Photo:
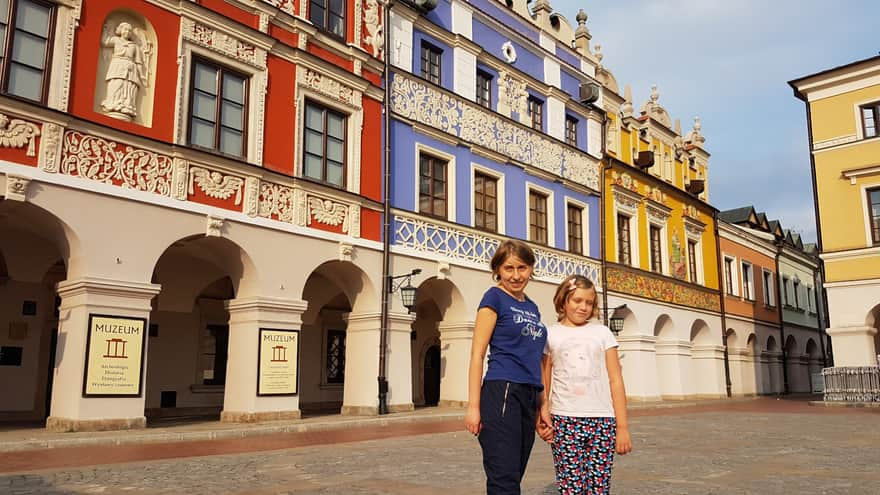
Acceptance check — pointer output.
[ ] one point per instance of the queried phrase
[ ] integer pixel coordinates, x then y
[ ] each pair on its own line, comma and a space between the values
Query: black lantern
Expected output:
407, 292
615, 323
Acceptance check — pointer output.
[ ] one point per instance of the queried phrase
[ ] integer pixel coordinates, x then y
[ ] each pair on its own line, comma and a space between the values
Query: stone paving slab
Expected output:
766, 448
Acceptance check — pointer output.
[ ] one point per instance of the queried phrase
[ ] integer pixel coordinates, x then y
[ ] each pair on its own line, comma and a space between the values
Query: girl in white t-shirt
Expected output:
584, 391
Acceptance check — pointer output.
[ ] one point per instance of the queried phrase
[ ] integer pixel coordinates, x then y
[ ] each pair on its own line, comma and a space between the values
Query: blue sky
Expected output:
729, 62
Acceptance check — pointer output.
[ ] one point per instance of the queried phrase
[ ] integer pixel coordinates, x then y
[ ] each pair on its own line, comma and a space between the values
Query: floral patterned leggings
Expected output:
583, 451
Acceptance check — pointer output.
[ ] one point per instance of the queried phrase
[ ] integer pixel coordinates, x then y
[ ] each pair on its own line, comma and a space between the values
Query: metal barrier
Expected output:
852, 383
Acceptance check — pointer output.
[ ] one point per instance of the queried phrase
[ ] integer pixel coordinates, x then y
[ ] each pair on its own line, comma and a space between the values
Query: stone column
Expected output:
736, 357
455, 358
361, 389
772, 363
398, 359
673, 363
70, 410
247, 316
708, 371
638, 360
853, 346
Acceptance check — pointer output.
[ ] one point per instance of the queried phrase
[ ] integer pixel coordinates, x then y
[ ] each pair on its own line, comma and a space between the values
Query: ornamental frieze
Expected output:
283, 5
661, 289
276, 202
215, 184
98, 159
17, 133
416, 101
625, 181
326, 86
50, 147
222, 43
375, 38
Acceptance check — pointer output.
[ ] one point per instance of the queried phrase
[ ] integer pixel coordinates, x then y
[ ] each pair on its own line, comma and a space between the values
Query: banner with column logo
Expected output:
114, 356
279, 362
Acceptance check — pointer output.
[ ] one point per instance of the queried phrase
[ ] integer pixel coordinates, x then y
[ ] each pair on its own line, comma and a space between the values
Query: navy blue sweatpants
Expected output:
507, 411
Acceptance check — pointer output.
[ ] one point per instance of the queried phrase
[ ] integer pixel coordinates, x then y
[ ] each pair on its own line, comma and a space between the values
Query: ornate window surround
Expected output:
332, 94
500, 213
255, 69
67, 15
866, 212
658, 216
694, 232
585, 223
450, 179
627, 203
551, 212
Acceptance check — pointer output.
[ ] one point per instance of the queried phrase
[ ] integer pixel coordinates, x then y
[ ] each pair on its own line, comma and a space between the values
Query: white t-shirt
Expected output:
579, 385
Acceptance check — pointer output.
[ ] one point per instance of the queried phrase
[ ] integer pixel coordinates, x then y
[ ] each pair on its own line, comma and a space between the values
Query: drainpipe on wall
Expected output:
386, 213
603, 252
779, 304
718, 261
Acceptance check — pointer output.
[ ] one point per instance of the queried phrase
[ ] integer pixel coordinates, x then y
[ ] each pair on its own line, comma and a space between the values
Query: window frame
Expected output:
535, 108
326, 110
533, 192
575, 230
624, 239
656, 247
6, 62
433, 51
692, 260
874, 108
768, 282
325, 23
432, 159
195, 60
571, 131
748, 280
874, 231
483, 95
329, 333
494, 179
730, 275
795, 288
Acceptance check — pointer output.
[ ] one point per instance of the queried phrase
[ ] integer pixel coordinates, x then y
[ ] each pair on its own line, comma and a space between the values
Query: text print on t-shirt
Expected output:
532, 326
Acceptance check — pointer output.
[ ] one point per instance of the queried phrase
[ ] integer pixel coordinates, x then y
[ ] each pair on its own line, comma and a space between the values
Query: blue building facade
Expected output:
489, 140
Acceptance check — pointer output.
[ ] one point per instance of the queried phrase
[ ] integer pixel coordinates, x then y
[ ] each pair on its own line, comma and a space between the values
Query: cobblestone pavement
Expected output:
764, 448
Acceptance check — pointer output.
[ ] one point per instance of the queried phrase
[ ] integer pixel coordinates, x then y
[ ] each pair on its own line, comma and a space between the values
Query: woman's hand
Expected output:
472, 421
544, 425
624, 442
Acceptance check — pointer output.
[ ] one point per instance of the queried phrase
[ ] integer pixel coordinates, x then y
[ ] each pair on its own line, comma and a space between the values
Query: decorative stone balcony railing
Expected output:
415, 100
661, 288
434, 239
852, 384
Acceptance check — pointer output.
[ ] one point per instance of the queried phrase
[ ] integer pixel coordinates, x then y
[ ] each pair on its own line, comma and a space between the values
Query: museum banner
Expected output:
278, 361
114, 356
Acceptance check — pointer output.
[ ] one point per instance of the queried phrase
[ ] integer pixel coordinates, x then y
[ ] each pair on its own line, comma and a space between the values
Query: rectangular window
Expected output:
623, 245
874, 213
218, 108
25, 44
571, 131
432, 186
324, 149
537, 217
870, 118
748, 281
656, 253
810, 306
786, 300
215, 350
692, 261
485, 202
536, 113
728, 276
431, 62
484, 89
768, 288
328, 15
575, 229
335, 356
796, 289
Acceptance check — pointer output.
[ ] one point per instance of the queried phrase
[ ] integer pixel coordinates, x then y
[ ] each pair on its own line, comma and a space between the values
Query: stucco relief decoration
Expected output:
17, 133
179, 179
50, 147
694, 229
512, 94
508, 51
283, 5
98, 159
251, 196
327, 86
625, 181
626, 201
657, 194
328, 212
276, 201
214, 226
214, 184
127, 52
375, 38
690, 211
222, 43
16, 187
414, 100
657, 214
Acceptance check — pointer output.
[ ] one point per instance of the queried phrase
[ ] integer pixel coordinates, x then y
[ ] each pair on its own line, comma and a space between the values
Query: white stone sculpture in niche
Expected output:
126, 69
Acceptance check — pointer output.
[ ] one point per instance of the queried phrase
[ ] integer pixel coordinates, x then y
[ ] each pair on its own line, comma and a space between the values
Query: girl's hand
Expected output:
624, 442
544, 424
472, 421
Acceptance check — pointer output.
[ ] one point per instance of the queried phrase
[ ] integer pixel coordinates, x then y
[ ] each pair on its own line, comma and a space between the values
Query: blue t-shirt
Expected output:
517, 343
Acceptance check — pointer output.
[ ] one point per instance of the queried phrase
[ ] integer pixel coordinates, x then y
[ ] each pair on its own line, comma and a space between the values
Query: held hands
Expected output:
544, 425
624, 442
472, 421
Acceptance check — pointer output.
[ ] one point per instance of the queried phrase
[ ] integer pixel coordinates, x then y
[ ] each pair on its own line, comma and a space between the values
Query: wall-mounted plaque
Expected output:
278, 361
114, 356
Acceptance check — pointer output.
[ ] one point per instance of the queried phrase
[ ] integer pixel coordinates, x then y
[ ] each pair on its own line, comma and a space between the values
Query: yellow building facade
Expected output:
843, 114
661, 251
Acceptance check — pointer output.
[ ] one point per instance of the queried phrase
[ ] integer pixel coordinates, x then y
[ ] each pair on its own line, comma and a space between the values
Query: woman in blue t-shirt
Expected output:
503, 411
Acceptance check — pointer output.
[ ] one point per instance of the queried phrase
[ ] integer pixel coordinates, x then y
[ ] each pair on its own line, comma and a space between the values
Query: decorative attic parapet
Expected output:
652, 108
694, 137
582, 34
